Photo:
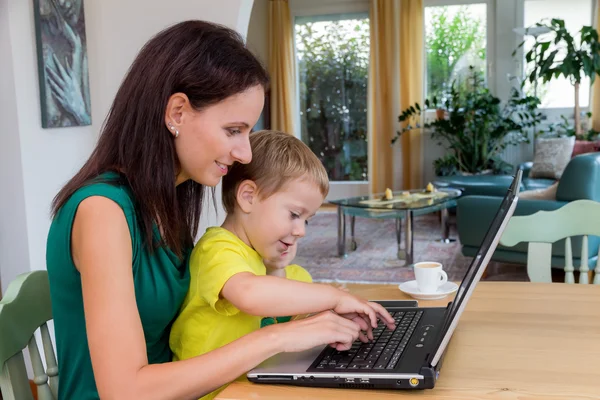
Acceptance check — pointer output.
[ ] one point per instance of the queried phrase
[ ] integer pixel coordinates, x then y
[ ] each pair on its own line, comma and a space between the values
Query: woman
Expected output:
124, 225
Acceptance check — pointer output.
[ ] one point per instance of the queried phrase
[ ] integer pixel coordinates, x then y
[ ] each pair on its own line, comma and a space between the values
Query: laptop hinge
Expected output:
440, 335
429, 375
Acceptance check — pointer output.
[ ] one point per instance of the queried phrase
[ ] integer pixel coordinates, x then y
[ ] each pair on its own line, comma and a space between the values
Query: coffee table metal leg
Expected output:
445, 226
408, 237
353, 244
400, 253
341, 232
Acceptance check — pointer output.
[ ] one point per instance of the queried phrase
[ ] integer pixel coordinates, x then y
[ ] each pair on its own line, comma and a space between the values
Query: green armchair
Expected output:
492, 185
580, 180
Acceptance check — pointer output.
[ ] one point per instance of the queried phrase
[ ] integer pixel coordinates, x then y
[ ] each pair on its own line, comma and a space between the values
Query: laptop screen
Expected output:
475, 270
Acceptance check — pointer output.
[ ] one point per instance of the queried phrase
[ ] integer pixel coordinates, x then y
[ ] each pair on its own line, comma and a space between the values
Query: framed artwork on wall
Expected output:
62, 63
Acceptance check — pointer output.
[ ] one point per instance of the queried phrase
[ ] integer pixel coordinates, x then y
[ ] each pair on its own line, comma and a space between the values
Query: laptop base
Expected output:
426, 380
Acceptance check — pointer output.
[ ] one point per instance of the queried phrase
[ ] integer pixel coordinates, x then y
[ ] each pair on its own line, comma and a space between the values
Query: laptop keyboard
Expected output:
382, 353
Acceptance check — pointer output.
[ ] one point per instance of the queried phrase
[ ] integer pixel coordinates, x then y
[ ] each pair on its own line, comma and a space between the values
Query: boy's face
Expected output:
277, 222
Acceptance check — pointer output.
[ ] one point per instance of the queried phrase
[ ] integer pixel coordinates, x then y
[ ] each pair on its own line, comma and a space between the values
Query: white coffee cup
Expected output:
430, 276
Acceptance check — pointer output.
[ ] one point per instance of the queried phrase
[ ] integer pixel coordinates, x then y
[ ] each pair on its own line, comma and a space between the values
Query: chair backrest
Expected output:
24, 308
542, 229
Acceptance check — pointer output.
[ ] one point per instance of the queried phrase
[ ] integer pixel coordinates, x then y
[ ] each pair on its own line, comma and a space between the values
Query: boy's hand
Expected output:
349, 305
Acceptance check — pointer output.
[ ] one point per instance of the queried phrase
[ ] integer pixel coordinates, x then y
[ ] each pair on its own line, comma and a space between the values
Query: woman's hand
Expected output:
323, 328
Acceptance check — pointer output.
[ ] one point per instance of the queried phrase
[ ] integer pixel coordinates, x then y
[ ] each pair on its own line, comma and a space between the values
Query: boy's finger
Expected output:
383, 313
370, 313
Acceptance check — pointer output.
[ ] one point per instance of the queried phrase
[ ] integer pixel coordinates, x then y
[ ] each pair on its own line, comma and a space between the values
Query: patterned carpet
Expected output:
375, 259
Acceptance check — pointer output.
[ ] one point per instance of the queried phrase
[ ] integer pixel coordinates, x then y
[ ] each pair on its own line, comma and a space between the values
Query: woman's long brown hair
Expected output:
208, 63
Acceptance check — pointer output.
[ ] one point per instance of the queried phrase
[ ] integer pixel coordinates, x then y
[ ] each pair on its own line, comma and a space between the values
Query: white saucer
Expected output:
411, 288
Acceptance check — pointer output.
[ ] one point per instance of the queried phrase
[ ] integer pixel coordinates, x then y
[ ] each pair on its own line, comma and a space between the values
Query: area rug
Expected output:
375, 260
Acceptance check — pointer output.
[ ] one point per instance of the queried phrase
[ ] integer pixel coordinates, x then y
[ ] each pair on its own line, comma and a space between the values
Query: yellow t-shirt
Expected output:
207, 321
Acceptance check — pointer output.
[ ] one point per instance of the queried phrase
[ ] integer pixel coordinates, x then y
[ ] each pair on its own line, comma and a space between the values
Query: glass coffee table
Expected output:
403, 205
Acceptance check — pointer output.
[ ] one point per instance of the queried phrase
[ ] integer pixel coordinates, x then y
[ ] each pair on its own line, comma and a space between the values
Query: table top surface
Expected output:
515, 340
401, 200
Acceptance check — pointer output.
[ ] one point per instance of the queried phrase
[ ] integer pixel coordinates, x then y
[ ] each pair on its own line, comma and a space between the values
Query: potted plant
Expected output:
477, 127
438, 105
558, 53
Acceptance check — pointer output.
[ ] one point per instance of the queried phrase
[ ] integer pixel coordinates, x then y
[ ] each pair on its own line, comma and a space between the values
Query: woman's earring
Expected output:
171, 127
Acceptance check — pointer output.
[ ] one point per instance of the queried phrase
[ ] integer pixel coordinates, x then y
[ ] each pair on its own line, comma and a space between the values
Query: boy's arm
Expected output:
272, 296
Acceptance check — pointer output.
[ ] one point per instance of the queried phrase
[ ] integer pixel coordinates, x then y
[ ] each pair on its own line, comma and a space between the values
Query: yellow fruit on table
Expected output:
430, 187
388, 194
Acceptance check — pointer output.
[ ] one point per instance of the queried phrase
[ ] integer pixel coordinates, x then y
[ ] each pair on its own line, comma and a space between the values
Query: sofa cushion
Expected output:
547, 193
551, 157
585, 146
537, 183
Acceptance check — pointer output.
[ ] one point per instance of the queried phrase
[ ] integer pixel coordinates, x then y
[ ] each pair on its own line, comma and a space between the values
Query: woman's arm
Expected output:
101, 250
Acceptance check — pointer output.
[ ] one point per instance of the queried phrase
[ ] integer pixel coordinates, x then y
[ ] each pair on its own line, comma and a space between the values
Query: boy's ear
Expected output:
247, 194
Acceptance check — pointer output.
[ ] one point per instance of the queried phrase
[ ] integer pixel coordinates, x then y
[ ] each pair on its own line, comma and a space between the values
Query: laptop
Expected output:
411, 356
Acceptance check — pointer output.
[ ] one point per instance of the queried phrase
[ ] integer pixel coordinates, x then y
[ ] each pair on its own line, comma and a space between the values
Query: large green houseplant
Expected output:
558, 53
477, 127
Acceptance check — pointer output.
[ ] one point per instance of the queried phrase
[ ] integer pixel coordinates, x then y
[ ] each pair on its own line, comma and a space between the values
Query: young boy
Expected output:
238, 270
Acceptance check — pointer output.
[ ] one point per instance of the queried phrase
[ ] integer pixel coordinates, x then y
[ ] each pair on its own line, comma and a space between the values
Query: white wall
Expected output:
258, 42
36, 162
13, 229
258, 30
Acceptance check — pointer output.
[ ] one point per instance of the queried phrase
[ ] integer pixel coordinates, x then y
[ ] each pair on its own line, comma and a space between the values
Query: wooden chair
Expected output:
25, 308
542, 229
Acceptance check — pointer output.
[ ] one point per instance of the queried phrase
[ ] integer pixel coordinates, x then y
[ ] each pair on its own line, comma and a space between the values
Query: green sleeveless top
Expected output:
161, 281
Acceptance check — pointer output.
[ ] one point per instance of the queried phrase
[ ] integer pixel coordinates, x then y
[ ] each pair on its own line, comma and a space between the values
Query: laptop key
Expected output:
384, 360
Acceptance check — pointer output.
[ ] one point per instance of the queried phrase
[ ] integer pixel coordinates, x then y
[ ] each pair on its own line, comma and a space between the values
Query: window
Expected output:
333, 58
559, 92
455, 39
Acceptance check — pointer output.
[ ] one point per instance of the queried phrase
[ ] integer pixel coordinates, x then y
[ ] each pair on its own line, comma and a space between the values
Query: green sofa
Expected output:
480, 202
491, 185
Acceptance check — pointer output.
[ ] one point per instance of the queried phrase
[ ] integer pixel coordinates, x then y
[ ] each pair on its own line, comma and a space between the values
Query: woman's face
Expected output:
211, 140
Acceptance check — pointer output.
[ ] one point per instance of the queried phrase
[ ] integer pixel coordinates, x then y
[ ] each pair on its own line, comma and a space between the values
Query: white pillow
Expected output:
551, 157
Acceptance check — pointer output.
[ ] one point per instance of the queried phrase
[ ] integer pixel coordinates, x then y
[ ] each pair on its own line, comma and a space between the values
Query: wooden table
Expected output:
521, 341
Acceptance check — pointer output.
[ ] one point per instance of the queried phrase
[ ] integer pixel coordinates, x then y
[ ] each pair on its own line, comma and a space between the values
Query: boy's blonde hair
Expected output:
277, 158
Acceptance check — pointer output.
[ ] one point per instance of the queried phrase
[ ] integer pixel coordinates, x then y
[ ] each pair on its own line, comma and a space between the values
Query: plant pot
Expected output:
484, 172
440, 113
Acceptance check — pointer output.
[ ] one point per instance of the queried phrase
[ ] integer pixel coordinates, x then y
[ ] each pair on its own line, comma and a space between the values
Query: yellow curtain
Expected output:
411, 87
595, 100
395, 82
381, 88
281, 66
